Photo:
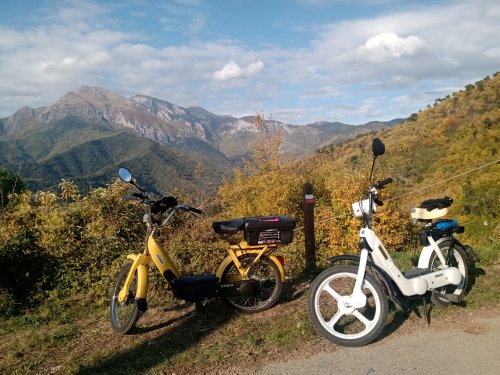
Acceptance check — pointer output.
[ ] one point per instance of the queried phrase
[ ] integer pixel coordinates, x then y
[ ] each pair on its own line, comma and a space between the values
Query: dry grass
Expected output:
172, 338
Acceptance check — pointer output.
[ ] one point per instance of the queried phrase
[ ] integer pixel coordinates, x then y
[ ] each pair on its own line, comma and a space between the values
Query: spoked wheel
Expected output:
332, 315
458, 260
265, 274
124, 314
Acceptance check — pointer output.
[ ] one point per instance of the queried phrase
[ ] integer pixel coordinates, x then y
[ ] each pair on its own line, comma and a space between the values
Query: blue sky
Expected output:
297, 61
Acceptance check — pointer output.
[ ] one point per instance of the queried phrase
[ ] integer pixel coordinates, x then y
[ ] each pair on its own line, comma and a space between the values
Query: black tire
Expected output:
460, 261
266, 272
352, 327
124, 314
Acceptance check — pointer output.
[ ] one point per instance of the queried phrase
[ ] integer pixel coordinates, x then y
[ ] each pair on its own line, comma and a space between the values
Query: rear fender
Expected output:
228, 260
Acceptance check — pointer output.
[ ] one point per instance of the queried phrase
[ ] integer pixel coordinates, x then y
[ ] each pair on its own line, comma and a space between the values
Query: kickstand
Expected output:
412, 308
201, 310
427, 313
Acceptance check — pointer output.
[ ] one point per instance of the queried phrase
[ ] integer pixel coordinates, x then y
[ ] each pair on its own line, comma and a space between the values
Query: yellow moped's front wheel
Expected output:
124, 314
265, 273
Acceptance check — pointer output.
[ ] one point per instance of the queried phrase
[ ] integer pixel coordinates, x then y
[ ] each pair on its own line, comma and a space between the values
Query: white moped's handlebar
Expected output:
362, 209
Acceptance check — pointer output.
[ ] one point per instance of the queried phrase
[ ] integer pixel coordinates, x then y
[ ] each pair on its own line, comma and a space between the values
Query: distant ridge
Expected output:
52, 142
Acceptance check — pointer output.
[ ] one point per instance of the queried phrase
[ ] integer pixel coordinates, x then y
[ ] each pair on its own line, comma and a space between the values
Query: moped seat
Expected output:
228, 227
423, 214
431, 209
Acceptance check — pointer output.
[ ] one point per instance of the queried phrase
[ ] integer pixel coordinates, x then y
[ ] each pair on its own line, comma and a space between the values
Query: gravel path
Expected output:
467, 344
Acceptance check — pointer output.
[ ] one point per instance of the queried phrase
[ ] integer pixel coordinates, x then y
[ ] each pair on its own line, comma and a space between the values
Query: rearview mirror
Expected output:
125, 174
378, 147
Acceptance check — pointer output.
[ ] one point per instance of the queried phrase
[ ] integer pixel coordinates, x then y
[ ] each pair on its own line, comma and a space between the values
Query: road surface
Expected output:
467, 344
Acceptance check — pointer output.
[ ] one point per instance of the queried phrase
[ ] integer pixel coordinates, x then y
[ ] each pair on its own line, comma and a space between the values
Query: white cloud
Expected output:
389, 45
232, 70
493, 52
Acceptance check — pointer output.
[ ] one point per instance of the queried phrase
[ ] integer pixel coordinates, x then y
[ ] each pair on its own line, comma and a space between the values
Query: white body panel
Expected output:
416, 285
444, 277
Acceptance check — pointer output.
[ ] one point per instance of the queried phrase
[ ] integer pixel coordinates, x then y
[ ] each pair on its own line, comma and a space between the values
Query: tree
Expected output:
413, 117
69, 190
9, 183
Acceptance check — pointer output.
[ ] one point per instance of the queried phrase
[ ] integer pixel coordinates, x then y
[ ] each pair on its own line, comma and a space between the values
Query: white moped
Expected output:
348, 303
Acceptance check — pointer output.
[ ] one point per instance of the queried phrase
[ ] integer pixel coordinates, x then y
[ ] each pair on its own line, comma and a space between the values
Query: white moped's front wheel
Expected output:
332, 314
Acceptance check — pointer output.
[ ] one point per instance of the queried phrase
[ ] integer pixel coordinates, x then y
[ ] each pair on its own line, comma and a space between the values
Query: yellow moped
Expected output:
250, 278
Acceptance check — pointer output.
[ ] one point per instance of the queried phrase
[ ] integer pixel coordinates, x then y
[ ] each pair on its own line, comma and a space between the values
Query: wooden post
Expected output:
310, 242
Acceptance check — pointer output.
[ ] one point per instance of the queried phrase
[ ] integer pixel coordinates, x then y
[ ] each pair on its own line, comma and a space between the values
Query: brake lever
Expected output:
191, 210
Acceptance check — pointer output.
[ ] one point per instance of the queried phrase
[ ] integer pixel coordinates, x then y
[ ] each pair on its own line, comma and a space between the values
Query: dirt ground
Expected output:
458, 344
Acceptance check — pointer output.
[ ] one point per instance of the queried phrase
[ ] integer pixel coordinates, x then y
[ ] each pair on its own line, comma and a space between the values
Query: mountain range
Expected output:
87, 134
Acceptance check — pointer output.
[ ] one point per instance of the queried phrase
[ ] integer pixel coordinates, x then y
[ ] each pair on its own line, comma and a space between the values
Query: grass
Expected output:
172, 338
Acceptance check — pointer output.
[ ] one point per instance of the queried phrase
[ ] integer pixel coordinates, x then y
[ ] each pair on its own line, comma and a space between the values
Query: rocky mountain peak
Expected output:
177, 126
23, 118
161, 108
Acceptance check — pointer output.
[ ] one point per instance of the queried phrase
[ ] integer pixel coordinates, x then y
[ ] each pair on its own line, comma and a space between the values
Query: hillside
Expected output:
90, 155
432, 152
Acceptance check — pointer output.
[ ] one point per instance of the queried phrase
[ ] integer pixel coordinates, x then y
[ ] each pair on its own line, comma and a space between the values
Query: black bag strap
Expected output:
431, 204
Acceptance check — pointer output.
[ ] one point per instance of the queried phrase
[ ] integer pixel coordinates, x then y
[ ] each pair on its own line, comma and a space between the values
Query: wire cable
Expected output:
412, 192
440, 182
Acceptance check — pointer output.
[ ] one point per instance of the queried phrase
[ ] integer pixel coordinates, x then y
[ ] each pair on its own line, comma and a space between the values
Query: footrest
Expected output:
198, 279
452, 297
416, 272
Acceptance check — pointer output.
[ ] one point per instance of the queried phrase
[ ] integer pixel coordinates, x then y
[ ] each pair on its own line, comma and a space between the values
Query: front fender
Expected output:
227, 261
140, 264
340, 258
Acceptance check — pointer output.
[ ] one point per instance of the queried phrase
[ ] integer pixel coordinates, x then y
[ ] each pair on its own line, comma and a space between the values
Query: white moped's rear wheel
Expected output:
332, 315
458, 260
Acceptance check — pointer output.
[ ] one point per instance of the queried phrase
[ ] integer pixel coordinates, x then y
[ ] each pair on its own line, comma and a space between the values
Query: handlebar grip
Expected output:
195, 210
382, 183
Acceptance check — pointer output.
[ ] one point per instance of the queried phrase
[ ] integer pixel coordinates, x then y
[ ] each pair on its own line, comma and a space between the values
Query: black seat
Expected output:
228, 227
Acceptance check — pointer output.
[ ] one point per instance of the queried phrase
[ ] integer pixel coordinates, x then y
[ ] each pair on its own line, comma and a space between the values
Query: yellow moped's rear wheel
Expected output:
124, 314
266, 273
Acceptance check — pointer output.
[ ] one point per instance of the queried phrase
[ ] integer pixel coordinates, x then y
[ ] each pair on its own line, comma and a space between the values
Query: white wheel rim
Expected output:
344, 310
